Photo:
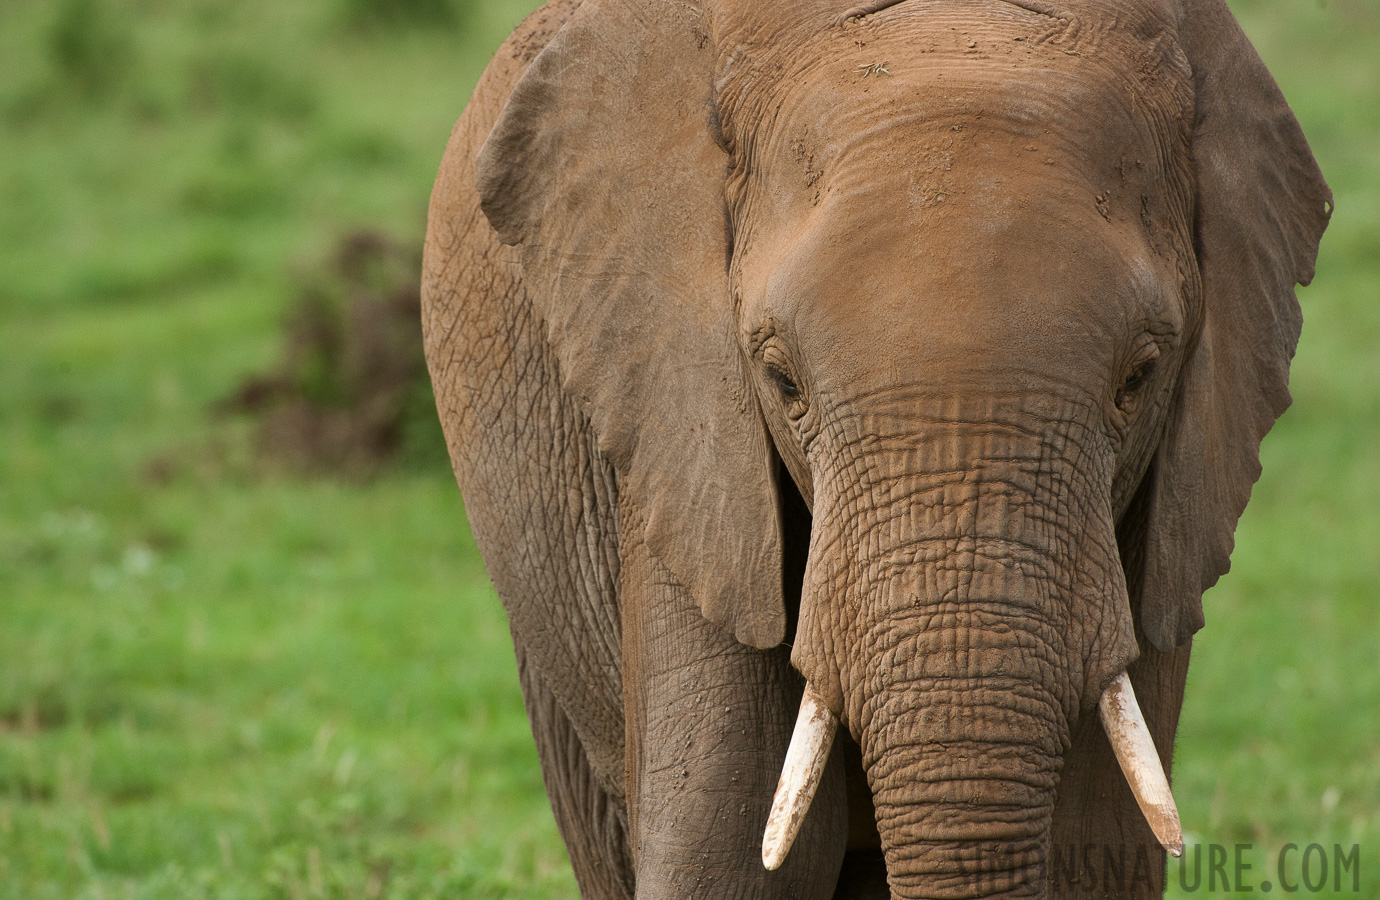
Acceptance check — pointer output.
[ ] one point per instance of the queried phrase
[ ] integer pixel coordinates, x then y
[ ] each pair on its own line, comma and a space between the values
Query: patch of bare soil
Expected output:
350, 393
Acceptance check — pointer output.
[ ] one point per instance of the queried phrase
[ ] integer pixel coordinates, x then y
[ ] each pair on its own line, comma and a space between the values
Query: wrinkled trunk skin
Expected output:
964, 626
962, 733
963, 766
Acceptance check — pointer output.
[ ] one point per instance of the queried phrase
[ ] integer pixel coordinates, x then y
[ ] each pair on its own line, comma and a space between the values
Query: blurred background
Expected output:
247, 648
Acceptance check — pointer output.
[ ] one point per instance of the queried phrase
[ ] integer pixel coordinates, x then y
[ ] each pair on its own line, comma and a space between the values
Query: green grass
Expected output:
219, 682
1280, 737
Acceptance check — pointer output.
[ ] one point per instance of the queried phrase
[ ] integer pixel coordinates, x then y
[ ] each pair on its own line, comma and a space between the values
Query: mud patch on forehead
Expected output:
803, 153
927, 178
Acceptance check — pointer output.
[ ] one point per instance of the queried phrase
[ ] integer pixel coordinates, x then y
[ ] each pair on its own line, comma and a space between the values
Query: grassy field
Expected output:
225, 681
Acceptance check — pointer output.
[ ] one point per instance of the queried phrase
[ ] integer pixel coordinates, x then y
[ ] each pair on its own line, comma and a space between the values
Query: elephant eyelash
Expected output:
776, 364
1130, 389
795, 398
785, 384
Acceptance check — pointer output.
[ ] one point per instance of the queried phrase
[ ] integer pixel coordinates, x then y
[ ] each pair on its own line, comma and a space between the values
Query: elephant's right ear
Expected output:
1262, 206
605, 169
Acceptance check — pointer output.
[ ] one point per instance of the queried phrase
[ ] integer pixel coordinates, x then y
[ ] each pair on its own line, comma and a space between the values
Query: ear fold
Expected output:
604, 168
1262, 208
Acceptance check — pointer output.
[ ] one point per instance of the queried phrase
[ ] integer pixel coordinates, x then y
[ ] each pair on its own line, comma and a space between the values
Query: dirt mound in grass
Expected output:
350, 393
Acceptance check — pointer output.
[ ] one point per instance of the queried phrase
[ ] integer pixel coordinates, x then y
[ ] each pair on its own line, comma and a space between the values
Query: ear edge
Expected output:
1267, 237
521, 192
506, 185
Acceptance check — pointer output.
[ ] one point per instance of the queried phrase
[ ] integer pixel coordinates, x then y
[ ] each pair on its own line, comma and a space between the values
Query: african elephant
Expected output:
902, 366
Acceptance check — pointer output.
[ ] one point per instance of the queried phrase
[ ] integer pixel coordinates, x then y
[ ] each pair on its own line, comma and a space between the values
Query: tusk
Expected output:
1135, 751
800, 774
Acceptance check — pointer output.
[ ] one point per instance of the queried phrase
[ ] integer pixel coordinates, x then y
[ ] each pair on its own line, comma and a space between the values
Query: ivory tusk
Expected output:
800, 774
1135, 751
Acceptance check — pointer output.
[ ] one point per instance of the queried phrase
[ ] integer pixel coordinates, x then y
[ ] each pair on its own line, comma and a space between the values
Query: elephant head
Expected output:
1008, 290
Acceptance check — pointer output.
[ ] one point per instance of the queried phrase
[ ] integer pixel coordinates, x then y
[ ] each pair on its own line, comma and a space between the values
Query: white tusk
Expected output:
1135, 751
800, 774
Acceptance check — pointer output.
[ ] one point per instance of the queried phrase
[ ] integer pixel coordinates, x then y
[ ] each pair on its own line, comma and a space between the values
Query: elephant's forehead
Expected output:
973, 232
990, 165
1029, 280
900, 92
875, 289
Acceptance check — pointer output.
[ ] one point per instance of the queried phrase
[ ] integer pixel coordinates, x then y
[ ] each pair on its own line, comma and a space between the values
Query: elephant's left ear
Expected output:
1262, 206
604, 167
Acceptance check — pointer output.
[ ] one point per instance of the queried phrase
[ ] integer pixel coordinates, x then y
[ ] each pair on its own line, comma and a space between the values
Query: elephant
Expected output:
899, 367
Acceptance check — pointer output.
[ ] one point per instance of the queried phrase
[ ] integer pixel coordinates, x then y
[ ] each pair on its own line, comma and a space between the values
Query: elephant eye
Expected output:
777, 369
788, 388
1142, 372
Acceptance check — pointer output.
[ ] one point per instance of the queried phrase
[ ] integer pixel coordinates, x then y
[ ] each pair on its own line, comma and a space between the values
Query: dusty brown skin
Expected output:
925, 352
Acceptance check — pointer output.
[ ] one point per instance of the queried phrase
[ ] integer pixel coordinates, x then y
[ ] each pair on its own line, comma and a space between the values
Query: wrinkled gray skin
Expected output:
924, 352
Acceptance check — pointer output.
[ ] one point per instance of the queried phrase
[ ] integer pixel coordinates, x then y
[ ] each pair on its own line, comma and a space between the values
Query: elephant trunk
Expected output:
960, 616
966, 680
963, 767
1126, 731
